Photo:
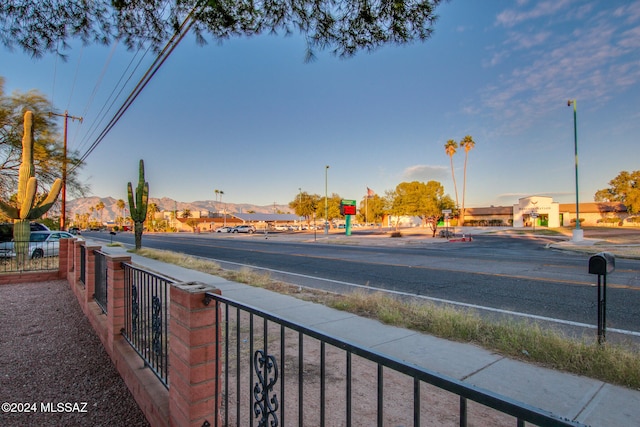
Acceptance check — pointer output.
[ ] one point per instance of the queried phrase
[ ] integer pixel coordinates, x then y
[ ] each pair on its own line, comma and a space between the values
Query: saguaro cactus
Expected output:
27, 207
138, 206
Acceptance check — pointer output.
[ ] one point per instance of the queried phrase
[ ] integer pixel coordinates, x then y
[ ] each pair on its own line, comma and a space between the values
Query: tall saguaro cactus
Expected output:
27, 206
138, 206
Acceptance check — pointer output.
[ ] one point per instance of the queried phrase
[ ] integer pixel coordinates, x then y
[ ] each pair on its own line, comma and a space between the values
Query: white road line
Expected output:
440, 300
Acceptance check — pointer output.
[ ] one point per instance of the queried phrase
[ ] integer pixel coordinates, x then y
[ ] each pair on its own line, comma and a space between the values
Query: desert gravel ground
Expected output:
50, 355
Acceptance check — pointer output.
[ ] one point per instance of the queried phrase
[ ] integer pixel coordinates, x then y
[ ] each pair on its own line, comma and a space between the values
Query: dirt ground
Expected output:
296, 392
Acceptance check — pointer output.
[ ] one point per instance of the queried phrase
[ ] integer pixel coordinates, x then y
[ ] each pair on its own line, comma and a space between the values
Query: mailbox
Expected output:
602, 263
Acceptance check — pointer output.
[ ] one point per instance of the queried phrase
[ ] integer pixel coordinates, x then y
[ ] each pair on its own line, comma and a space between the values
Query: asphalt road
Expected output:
503, 273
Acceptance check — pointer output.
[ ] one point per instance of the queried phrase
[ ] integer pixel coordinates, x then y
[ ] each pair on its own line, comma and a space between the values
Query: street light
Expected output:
578, 233
224, 211
326, 201
300, 206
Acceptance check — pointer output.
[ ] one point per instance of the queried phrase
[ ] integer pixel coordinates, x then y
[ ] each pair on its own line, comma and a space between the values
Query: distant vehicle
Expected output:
75, 231
282, 227
41, 244
244, 229
6, 230
224, 229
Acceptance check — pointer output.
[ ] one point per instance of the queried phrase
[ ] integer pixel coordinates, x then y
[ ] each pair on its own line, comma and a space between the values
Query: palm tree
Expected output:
450, 148
120, 204
467, 143
100, 208
151, 215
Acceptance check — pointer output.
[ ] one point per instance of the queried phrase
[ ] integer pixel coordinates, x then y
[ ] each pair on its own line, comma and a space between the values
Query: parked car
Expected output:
41, 244
244, 229
6, 230
224, 229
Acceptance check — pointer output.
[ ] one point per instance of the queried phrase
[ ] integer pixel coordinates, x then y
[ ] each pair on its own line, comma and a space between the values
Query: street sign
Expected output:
446, 211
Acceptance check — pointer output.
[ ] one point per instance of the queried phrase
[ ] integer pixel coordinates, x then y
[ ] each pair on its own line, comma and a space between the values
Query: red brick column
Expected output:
65, 257
192, 356
115, 298
89, 271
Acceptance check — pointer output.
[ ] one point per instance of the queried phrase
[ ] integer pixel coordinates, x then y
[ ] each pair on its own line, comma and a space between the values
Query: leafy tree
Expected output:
467, 143
425, 201
372, 209
48, 154
624, 188
342, 26
305, 205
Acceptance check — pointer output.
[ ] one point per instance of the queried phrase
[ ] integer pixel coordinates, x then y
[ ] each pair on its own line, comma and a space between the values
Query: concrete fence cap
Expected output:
194, 287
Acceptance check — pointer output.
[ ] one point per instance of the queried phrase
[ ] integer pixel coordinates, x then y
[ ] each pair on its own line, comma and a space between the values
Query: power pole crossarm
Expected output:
63, 208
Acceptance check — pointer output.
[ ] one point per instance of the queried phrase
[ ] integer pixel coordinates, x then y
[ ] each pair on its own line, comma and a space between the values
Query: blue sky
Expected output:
251, 118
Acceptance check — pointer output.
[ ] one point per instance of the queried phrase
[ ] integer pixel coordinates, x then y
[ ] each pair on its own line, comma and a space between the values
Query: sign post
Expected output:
446, 213
348, 208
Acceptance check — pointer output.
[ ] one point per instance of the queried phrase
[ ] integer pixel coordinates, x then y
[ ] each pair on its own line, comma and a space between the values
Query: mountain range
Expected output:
111, 211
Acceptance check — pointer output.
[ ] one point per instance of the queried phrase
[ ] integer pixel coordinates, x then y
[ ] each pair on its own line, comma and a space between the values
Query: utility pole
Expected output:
63, 208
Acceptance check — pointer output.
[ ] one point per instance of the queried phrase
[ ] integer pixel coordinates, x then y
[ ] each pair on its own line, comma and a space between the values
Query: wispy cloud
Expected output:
554, 50
511, 17
425, 173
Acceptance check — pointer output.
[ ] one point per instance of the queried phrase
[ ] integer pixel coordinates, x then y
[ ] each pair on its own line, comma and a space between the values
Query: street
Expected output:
513, 274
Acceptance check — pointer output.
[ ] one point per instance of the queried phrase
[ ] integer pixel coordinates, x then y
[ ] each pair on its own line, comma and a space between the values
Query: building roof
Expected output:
594, 207
265, 217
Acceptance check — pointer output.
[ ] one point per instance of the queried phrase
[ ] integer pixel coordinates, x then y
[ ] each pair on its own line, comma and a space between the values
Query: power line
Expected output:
162, 57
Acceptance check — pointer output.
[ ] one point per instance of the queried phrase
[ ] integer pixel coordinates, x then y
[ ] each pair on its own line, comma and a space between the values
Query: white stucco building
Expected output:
536, 209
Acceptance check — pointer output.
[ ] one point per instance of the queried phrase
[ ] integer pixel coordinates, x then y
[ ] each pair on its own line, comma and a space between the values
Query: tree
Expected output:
625, 189
425, 201
305, 205
100, 208
344, 27
47, 154
121, 204
151, 216
450, 148
467, 143
372, 209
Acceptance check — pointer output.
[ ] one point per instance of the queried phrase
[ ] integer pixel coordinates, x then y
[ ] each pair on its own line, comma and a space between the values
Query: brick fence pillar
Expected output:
115, 298
89, 272
193, 356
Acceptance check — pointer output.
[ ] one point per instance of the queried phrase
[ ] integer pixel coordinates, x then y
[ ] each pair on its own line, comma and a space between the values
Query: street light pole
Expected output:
326, 201
300, 206
578, 233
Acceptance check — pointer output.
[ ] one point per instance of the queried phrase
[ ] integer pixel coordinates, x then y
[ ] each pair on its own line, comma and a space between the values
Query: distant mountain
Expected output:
111, 211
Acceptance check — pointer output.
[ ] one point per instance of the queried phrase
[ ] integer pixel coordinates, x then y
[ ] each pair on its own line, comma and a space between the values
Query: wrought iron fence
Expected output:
23, 256
83, 264
100, 289
278, 373
146, 318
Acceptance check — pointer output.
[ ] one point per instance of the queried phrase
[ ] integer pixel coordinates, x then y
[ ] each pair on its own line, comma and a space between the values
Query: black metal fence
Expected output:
100, 282
146, 320
23, 256
83, 264
278, 373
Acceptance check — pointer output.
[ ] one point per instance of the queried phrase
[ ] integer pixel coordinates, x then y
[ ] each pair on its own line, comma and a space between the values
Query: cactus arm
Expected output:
45, 205
132, 204
9, 211
28, 197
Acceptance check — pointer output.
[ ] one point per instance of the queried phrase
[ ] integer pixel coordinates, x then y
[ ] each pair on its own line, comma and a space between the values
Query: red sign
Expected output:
348, 210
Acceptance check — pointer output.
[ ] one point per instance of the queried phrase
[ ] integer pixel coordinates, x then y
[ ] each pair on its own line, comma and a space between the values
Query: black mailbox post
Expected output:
602, 264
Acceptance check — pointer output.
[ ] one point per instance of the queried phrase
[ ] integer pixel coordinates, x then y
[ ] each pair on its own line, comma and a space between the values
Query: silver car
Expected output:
41, 244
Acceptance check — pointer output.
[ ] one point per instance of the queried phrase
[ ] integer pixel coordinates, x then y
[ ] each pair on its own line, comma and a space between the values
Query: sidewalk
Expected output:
588, 401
